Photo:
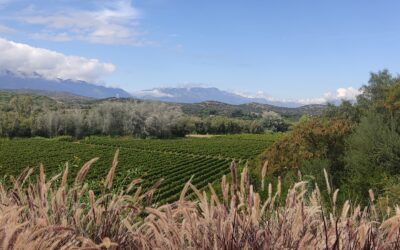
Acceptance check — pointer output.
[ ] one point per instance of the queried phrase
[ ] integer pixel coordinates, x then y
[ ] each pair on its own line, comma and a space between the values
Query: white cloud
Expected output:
152, 92
349, 94
318, 100
28, 60
259, 94
113, 23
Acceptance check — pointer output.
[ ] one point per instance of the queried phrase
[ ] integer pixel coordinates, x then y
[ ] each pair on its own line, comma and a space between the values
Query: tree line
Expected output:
21, 117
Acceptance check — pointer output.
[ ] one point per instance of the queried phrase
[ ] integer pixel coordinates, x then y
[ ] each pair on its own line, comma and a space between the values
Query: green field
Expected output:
175, 160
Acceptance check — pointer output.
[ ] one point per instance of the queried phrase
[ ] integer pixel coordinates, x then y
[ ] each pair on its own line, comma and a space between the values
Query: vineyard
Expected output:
234, 147
175, 161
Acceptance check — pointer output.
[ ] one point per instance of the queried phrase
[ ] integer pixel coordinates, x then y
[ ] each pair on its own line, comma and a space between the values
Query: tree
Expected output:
374, 94
23, 105
346, 110
274, 122
256, 127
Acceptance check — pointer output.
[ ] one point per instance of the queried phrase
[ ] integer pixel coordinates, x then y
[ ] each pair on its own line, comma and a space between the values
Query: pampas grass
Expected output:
50, 214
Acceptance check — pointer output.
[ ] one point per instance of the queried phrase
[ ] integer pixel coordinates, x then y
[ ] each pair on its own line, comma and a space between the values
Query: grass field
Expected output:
174, 160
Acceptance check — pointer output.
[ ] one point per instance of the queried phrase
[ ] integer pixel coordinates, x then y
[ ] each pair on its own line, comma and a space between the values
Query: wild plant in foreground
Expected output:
50, 214
44, 216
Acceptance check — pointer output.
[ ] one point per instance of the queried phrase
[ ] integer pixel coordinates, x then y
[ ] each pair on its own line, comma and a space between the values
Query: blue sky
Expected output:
284, 49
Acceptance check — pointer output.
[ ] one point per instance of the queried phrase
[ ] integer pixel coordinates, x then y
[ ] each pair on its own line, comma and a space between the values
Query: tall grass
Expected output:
47, 213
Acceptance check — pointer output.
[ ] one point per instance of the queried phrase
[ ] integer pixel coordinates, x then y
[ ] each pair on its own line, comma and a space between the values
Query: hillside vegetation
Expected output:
358, 144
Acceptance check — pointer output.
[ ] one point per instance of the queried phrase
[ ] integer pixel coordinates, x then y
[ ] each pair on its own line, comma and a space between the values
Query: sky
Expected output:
297, 50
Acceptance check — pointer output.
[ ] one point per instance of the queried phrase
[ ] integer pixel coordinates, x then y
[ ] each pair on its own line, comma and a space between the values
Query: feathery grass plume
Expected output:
279, 187
371, 195
65, 176
334, 199
244, 182
225, 189
233, 168
80, 177
299, 175
214, 195
269, 191
111, 172
328, 186
345, 210
52, 215
372, 200
185, 189
24, 176
263, 174
133, 184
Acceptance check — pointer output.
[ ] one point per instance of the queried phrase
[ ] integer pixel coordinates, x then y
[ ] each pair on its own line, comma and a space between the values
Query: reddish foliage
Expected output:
317, 138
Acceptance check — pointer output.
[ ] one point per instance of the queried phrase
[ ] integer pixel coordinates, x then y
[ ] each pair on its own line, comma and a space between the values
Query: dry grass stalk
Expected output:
263, 174
110, 175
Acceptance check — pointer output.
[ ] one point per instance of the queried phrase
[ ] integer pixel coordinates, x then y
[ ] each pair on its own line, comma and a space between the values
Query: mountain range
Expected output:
203, 94
13, 81
35, 82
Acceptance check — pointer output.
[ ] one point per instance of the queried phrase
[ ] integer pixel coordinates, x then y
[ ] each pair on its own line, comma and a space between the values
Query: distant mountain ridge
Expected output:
202, 94
12, 81
189, 95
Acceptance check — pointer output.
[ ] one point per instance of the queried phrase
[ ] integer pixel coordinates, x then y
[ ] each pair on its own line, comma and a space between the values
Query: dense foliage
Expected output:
317, 138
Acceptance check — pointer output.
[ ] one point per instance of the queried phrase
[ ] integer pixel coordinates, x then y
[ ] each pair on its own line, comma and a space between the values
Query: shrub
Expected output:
314, 139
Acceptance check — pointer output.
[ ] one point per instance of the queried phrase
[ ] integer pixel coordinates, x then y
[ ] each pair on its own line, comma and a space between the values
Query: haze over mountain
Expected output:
14, 81
202, 94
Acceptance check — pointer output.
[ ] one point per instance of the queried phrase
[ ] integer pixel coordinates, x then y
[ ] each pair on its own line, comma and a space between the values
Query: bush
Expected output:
314, 139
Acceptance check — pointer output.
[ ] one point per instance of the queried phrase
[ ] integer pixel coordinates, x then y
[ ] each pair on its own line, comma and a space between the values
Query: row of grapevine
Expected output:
175, 169
243, 147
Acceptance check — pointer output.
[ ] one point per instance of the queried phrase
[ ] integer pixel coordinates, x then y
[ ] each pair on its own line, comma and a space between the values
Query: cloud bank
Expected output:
114, 22
348, 94
152, 92
340, 94
24, 59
